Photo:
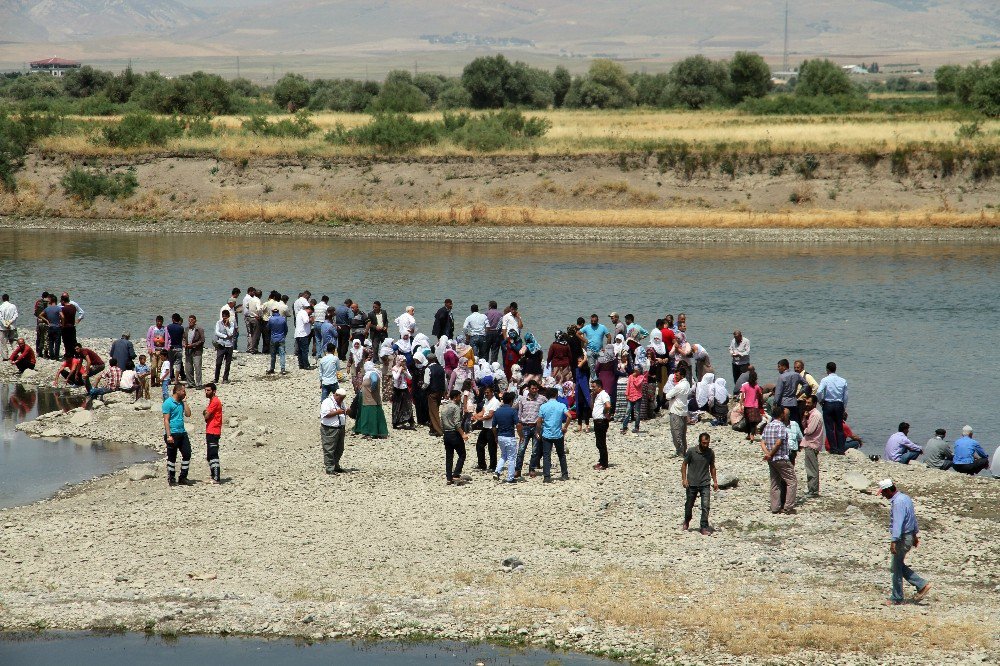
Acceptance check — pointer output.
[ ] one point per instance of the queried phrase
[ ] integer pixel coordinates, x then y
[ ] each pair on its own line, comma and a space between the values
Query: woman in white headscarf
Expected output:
620, 345
371, 417
355, 363
659, 364
705, 392
387, 356
720, 396
402, 402
500, 382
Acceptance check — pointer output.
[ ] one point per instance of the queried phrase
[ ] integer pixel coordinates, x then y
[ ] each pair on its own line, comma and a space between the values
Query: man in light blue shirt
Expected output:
553, 419
899, 448
328, 367
903, 536
475, 327
832, 392
970, 457
597, 336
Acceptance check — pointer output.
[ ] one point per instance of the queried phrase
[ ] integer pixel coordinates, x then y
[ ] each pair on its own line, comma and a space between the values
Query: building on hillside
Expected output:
54, 66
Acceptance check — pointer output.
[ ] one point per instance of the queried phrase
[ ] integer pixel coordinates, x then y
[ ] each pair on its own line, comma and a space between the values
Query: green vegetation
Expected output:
141, 129
16, 137
86, 186
301, 127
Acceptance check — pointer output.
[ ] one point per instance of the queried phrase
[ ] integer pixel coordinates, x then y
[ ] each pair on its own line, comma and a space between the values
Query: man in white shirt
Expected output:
300, 302
319, 316
677, 396
406, 322
303, 333
333, 422
475, 328
487, 436
602, 418
8, 328
251, 315
511, 322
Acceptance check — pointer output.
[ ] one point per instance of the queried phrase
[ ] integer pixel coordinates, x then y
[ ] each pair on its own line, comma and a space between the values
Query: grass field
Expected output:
584, 132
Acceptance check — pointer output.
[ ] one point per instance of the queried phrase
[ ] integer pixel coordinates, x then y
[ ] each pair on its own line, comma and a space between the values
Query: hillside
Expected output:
74, 20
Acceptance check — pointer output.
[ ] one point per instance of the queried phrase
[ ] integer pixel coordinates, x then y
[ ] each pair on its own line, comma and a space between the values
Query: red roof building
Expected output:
54, 66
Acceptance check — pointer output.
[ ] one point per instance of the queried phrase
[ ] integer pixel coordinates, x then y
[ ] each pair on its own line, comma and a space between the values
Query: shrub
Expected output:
823, 77
86, 186
493, 131
392, 132
807, 167
16, 137
969, 130
400, 95
141, 129
299, 128
750, 76
696, 82
292, 92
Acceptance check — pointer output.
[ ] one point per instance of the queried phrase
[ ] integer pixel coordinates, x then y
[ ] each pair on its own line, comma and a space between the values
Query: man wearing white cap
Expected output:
903, 536
970, 458
333, 419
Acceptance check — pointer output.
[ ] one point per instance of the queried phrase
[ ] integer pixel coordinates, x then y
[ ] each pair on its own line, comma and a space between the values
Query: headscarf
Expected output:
561, 337
496, 368
721, 392
705, 389
568, 389
385, 349
357, 351
620, 344
404, 344
441, 347
641, 359
465, 353
531, 343
549, 382
421, 340
483, 369
373, 374
656, 342
607, 354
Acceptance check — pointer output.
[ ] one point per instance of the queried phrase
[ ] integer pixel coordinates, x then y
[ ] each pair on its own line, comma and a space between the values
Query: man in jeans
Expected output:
175, 435
333, 420
277, 327
597, 336
454, 438
491, 343
475, 328
697, 470
774, 444
553, 420
528, 404
329, 365
903, 536
634, 389
602, 419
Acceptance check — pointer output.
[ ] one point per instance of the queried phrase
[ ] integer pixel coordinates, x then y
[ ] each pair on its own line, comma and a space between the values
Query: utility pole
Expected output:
784, 61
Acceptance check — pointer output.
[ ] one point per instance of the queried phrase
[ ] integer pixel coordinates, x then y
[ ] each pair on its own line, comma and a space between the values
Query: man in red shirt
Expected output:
23, 356
92, 364
213, 431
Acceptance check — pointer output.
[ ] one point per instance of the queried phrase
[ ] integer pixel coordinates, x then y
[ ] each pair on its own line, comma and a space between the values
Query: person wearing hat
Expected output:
333, 422
620, 328
938, 452
970, 458
904, 535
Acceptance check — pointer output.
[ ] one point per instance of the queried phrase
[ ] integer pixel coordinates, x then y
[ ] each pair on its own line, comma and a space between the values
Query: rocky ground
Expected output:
595, 564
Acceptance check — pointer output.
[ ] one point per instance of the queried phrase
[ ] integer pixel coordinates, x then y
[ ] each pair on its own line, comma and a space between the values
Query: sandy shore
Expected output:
388, 550
625, 236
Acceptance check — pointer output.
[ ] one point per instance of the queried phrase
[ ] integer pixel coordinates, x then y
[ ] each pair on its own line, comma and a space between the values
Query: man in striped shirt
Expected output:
774, 444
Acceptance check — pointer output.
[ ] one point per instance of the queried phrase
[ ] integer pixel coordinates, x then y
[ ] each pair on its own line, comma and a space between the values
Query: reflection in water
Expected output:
31, 469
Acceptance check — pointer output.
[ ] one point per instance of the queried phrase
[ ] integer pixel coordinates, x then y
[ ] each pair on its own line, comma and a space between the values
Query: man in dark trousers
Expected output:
444, 322
435, 380
454, 438
175, 434
697, 472
175, 354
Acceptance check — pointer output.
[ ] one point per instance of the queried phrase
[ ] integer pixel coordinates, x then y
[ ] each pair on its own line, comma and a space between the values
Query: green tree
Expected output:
650, 89
561, 81
749, 75
488, 79
823, 77
946, 79
454, 96
431, 85
400, 95
85, 82
291, 92
985, 96
606, 86
120, 88
697, 82
209, 94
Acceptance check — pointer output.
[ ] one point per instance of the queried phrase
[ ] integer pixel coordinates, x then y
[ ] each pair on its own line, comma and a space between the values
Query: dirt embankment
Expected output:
640, 190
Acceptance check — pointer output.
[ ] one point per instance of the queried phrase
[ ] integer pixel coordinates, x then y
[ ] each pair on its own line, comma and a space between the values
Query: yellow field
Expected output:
583, 132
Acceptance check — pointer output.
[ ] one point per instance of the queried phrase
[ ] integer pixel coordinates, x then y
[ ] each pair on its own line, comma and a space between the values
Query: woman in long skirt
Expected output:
402, 403
583, 396
371, 418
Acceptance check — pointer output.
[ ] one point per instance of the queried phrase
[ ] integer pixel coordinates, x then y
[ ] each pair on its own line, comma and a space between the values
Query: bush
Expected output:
823, 77
749, 75
392, 132
493, 131
696, 82
299, 128
400, 95
16, 137
292, 92
606, 86
494, 82
86, 186
141, 129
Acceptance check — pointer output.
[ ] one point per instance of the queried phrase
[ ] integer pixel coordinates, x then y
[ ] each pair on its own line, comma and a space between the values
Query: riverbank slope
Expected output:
389, 550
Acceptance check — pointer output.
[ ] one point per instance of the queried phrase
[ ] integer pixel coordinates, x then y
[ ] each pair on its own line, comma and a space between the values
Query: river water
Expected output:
82, 649
912, 326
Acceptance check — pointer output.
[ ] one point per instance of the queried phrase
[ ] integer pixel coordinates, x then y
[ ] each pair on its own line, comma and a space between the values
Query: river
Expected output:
911, 325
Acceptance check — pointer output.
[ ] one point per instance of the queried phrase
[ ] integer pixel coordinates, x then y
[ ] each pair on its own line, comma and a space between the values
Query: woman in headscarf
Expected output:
705, 392
721, 395
511, 351
659, 364
531, 359
583, 395
559, 357
355, 363
387, 356
371, 417
607, 372
499, 379
421, 350
619, 345
466, 361
404, 346
450, 362
402, 403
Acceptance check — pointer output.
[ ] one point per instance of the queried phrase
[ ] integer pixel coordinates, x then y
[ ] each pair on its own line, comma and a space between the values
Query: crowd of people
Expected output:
488, 378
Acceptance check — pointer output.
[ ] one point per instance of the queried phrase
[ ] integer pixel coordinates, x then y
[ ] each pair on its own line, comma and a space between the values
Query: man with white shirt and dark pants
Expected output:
251, 315
739, 349
832, 393
303, 333
475, 328
602, 418
8, 329
333, 419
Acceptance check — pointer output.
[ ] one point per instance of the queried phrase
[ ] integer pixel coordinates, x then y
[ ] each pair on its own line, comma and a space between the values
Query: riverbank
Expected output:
389, 550
600, 193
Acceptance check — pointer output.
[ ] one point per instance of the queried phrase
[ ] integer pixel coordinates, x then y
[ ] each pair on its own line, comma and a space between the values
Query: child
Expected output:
165, 374
142, 373
633, 393
468, 405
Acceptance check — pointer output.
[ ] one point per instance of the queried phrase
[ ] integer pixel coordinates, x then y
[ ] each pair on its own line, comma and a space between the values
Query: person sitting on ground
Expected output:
970, 458
851, 440
129, 384
23, 356
938, 452
108, 382
899, 448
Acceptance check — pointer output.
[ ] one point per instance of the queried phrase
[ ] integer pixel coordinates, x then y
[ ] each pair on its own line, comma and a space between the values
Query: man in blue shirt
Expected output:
553, 419
903, 536
277, 326
175, 435
970, 457
342, 319
597, 336
832, 393
505, 420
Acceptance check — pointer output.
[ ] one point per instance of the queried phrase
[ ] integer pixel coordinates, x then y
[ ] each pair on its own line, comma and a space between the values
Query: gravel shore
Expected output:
389, 550
478, 233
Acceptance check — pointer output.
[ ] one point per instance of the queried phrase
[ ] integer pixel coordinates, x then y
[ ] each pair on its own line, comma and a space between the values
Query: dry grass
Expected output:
584, 132
759, 622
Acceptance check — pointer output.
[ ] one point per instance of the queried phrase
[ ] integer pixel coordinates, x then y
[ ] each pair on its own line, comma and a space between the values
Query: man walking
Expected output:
903, 537
774, 444
811, 444
329, 365
505, 419
194, 349
697, 470
277, 327
553, 420
333, 422
899, 448
970, 457
213, 432
454, 438
175, 435
677, 397
832, 393
786, 390
602, 420
225, 339
739, 349
303, 333
528, 404
444, 322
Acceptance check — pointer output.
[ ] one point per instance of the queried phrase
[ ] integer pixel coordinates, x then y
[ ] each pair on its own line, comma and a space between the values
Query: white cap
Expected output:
341, 392
885, 484
967, 430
